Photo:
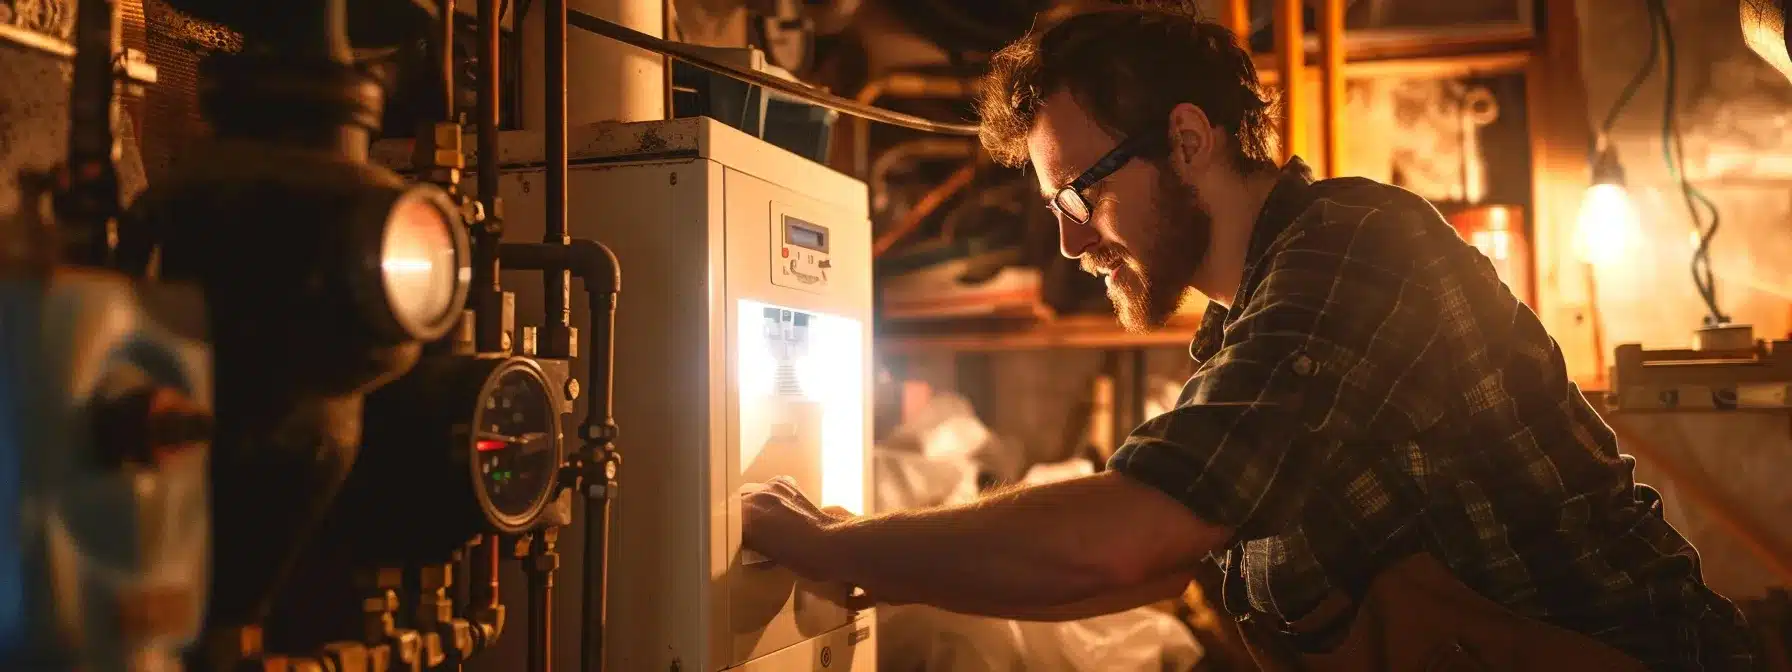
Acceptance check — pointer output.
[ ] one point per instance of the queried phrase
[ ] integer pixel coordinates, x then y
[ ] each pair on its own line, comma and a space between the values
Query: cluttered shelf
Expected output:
1073, 331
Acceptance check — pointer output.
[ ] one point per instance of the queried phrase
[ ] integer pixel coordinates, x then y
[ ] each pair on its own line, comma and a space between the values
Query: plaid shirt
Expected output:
1375, 390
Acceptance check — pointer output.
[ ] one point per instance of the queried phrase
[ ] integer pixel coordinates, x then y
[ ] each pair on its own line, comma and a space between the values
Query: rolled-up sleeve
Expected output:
1330, 349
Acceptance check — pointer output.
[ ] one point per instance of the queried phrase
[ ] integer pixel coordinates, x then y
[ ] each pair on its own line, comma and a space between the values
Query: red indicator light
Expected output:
488, 445
785, 252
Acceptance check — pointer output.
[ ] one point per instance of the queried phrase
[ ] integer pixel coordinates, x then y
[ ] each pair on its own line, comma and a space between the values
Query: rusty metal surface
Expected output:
33, 117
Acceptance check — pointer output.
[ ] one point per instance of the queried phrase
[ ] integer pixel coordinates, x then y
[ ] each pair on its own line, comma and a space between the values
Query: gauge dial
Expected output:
516, 454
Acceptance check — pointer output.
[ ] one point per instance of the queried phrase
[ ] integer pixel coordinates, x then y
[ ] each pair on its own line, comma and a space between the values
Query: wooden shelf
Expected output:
1079, 332
1414, 67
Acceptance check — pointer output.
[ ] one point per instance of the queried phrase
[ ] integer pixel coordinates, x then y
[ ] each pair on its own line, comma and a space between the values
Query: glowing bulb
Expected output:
1608, 228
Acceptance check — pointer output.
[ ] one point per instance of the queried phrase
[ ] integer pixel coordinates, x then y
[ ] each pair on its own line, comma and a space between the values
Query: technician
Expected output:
1380, 445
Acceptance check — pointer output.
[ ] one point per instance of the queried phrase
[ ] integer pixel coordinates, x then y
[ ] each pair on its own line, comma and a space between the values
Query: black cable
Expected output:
1636, 81
1674, 152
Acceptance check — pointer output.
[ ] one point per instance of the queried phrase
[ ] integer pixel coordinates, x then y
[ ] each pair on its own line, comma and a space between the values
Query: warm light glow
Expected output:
1608, 229
1495, 243
417, 262
828, 366
833, 374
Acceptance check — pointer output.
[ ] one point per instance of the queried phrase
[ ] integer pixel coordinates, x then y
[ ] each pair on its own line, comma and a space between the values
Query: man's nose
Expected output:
1074, 240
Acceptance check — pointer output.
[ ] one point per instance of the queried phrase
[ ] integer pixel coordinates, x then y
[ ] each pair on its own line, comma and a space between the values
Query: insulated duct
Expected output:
606, 80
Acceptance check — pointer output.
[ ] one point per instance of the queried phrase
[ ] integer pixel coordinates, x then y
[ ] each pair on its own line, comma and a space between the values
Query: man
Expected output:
1380, 442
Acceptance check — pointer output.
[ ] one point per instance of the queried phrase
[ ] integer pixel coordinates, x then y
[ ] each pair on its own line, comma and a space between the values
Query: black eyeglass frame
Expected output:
1069, 199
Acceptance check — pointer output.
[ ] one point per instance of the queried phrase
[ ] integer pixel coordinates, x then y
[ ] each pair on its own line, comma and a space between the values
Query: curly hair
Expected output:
1128, 66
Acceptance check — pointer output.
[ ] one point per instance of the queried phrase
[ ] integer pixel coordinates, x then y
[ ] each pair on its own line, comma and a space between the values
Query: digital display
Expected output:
804, 234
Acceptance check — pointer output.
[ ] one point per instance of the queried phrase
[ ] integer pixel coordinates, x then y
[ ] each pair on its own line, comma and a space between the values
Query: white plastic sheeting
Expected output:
932, 461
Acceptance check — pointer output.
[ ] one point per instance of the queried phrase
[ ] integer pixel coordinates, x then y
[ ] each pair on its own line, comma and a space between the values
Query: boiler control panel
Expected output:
800, 258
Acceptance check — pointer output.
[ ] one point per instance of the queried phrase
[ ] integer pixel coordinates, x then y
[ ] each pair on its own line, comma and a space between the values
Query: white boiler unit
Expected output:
743, 343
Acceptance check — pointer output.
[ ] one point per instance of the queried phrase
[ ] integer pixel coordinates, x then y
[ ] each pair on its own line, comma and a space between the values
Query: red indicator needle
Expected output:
488, 445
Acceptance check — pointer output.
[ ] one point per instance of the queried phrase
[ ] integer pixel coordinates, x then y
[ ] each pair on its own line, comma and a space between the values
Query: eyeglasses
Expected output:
1070, 201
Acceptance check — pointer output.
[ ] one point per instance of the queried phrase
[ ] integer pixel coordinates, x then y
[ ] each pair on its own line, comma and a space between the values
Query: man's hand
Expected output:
781, 523
1075, 548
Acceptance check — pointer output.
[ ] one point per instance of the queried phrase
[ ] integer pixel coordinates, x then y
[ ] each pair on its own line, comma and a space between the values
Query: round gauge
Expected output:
516, 445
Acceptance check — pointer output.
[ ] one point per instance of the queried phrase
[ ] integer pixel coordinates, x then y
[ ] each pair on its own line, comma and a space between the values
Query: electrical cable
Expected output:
635, 38
1674, 153
1636, 81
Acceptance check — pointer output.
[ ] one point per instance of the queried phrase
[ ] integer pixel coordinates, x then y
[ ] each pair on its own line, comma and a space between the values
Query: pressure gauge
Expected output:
515, 445
458, 447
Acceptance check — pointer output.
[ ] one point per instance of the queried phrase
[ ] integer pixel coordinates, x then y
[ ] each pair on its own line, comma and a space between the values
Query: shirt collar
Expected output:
1287, 199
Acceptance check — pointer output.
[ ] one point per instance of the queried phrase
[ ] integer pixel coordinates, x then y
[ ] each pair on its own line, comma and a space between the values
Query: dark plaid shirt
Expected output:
1374, 390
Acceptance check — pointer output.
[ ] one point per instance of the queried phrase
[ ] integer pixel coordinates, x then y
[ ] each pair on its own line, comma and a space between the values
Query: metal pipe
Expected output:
919, 148
599, 497
89, 203
488, 289
928, 204
485, 606
445, 61
1291, 59
903, 84
557, 282
539, 567
30, 40
1331, 72
596, 265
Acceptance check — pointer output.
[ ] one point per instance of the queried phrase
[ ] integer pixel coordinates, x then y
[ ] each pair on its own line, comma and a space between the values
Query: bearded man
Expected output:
1380, 445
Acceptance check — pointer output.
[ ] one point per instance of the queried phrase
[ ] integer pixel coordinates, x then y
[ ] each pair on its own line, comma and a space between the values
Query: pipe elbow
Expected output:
597, 265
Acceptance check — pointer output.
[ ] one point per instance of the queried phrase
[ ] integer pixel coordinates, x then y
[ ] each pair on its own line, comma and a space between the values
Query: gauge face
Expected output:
516, 458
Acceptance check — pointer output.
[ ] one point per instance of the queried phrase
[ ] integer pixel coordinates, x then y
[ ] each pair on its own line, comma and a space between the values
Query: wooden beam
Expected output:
1429, 67
1237, 16
1561, 137
1291, 54
1331, 72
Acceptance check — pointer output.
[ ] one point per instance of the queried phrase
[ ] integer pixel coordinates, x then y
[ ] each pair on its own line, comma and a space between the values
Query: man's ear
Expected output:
1194, 141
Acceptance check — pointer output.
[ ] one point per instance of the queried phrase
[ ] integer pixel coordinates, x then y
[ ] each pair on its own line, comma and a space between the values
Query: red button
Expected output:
785, 252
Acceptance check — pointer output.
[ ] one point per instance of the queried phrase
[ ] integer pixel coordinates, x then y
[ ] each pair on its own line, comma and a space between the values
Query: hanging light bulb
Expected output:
1608, 229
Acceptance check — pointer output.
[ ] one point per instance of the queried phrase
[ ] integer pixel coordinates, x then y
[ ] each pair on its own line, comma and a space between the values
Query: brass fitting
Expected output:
438, 146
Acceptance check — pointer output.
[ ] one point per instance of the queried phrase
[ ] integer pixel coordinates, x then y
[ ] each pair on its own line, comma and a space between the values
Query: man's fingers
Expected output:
752, 488
785, 485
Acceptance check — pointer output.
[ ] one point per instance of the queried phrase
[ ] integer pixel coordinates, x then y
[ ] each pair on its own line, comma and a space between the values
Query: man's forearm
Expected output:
1138, 595
1025, 551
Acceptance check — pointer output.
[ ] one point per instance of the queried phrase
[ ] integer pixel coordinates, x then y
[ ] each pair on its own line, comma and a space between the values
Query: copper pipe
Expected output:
929, 203
905, 85
1237, 16
919, 148
482, 571
486, 296
1703, 494
445, 60
556, 283
1331, 72
1291, 54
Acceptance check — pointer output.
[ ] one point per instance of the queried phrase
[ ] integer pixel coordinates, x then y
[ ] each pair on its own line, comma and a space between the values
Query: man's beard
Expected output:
1148, 285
